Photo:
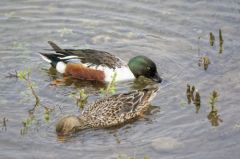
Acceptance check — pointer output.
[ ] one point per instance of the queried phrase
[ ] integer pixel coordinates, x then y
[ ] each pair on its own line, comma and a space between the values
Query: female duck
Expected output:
97, 65
109, 112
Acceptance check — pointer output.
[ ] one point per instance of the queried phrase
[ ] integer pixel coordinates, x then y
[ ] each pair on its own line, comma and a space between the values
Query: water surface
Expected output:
175, 34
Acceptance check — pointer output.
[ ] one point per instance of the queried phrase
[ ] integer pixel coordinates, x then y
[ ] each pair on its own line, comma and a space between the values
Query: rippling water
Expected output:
173, 33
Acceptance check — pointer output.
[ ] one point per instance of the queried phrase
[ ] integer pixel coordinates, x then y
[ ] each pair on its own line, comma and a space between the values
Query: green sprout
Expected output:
211, 39
213, 99
188, 93
197, 101
193, 96
220, 41
24, 75
4, 123
204, 61
47, 112
80, 97
82, 100
111, 87
213, 116
27, 122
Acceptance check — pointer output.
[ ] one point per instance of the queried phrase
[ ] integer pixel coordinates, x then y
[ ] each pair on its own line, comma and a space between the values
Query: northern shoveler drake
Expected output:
97, 65
109, 112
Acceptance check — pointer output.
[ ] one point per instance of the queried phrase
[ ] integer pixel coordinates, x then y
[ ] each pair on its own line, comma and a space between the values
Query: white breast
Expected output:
123, 73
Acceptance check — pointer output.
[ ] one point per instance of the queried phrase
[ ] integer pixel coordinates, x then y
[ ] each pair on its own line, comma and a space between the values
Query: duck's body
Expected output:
109, 112
99, 65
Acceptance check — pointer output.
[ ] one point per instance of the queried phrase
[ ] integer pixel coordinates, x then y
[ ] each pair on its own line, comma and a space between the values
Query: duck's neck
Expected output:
83, 123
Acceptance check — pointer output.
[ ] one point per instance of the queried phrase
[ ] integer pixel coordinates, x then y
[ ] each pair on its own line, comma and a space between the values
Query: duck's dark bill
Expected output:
157, 78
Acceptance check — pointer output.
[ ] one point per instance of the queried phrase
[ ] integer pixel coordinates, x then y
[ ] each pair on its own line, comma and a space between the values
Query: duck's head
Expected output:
69, 125
143, 66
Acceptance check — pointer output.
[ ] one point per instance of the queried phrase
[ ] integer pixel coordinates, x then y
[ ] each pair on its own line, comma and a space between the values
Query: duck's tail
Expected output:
60, 55
57, 49
53, 59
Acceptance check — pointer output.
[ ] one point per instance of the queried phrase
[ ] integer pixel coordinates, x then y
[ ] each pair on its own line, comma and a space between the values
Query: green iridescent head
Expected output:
143, 66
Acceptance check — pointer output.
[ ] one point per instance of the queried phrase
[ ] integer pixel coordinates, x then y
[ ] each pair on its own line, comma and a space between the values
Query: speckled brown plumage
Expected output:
111, 111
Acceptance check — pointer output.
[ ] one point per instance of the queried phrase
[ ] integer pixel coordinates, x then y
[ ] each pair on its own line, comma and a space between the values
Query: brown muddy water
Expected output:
175, 34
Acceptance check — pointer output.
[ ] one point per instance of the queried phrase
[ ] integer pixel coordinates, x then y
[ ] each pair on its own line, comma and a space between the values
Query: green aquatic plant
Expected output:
211, 39
27, 122
192, 92
213, 116
111, 87
188, 93
193, 96
47, 112
82, 100
220, 41
204, 61
197, 101
80, 97
213, 99
25, 76
4, 123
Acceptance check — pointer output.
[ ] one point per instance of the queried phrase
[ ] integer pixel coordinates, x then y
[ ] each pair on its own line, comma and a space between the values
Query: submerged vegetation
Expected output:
27, 122
24, 75
80, 97
211, 39
204, 59
193, 96
220, 41
213, 116
111, 87
4, 123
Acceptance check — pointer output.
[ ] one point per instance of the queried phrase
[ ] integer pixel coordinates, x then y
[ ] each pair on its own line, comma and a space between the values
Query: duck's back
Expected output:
118, 109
